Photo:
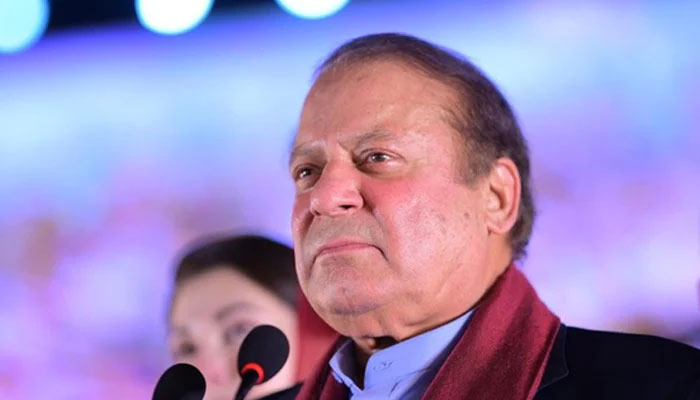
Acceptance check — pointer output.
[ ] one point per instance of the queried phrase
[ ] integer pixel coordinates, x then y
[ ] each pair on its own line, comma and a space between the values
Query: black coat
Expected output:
595, 365
585, 364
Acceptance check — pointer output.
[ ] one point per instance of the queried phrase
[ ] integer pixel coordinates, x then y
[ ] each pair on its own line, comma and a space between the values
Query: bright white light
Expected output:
172, 17
312, 9
22, 22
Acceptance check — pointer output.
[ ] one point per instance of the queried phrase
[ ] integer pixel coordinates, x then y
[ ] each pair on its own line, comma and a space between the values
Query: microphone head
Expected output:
265, 349
180, 382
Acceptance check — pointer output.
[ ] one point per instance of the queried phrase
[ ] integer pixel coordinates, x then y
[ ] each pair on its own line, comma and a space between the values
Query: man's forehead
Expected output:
378, 80
382, 100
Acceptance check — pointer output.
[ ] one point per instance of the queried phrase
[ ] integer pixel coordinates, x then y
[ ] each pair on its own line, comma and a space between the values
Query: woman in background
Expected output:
224, 288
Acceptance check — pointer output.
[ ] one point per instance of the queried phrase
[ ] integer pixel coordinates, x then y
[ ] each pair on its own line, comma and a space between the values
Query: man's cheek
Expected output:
299, 215
420, 219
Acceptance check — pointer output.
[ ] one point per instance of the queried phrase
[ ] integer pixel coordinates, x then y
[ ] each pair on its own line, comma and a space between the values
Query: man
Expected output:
412, 203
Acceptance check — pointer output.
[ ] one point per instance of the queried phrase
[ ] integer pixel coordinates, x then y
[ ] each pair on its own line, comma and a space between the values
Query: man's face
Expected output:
386, 233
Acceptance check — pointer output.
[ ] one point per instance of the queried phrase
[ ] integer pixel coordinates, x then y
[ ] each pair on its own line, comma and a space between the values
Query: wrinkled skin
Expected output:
389, 239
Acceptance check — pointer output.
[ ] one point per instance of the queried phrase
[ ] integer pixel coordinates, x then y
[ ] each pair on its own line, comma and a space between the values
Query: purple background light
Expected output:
118, 146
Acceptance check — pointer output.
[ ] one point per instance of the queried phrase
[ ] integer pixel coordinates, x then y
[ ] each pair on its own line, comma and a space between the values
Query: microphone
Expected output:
262, 354
180, 382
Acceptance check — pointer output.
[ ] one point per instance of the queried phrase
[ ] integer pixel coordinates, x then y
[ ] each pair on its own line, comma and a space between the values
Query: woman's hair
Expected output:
267, 262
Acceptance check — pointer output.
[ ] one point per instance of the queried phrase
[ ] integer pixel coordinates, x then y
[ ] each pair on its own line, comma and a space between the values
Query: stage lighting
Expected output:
172, 17
312, 9
22, 22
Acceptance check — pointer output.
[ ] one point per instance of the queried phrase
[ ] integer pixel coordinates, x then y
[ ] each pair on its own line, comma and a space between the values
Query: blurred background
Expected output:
129, 128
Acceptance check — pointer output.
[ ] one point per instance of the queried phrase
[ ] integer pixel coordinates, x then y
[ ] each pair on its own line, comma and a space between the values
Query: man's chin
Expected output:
348, 315
344, 300
356, 309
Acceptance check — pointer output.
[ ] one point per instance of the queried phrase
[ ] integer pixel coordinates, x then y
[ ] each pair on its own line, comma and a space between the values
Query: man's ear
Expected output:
503, 196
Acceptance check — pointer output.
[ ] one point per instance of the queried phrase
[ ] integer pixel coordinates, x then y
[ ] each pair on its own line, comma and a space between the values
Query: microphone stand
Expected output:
249, 379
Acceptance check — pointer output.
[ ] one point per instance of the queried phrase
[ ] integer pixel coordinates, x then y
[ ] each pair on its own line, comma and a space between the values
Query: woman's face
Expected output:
212, 313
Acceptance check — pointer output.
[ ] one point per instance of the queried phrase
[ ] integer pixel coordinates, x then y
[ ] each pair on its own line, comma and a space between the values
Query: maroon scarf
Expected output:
501, 355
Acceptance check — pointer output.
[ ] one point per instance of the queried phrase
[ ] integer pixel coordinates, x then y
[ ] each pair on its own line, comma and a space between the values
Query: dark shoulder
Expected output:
587, 364
626, 353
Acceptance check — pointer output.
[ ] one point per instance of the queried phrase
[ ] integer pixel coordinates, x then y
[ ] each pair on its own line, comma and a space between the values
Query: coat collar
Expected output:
557, 368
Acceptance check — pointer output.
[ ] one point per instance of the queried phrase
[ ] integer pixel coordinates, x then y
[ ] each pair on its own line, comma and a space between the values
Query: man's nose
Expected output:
337, 191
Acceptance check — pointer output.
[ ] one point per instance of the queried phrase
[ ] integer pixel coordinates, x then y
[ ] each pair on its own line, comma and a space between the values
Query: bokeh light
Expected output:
22, 22
312, 9
172, 17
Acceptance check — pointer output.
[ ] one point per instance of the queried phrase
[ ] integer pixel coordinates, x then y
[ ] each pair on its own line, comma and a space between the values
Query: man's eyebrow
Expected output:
375, 135
304, 149
231, 308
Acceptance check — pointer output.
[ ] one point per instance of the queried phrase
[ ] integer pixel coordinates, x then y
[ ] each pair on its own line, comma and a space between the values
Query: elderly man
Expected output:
412, 203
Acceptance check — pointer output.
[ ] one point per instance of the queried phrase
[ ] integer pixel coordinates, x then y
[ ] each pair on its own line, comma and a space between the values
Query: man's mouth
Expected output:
340, 246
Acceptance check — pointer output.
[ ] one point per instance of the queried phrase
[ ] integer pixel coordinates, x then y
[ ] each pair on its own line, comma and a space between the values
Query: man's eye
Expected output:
302, 173
377, 157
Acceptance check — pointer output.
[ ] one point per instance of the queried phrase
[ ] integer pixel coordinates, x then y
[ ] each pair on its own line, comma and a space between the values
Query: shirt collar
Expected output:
390, 365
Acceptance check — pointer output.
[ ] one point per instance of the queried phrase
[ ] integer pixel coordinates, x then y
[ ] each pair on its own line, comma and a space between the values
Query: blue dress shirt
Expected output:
402, 371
